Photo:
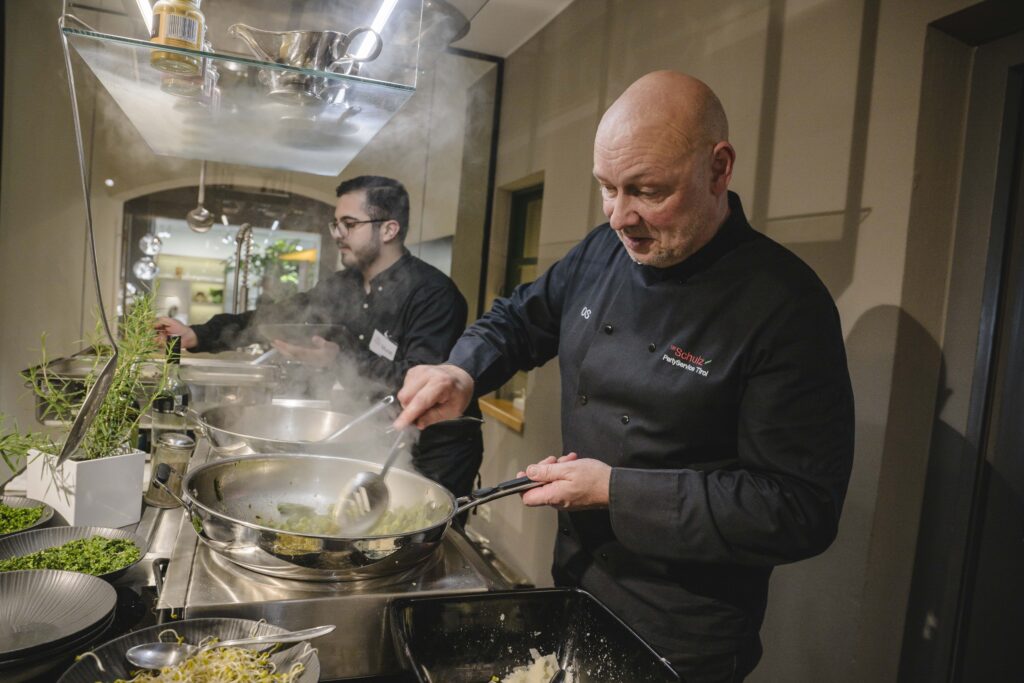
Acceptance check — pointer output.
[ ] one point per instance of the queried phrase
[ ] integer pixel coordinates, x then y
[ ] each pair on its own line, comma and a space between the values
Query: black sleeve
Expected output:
781, 503
436, 318
226, 331
520, 332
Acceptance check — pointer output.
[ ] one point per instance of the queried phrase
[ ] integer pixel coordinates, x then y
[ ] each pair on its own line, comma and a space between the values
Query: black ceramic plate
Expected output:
27, 542
22, 502
40, 607
111, 654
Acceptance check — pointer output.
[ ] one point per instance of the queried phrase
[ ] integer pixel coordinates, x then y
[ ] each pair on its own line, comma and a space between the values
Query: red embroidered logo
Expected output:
687, 361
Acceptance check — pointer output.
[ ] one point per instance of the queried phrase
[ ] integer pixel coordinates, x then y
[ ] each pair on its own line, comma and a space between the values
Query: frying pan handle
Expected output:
489, 493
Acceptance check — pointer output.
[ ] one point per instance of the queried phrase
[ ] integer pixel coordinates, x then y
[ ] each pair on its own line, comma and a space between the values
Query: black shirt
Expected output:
718, 391
413, 309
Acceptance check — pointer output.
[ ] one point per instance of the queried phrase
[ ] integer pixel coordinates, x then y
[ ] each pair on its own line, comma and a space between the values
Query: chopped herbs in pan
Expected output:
95, 555
13, 519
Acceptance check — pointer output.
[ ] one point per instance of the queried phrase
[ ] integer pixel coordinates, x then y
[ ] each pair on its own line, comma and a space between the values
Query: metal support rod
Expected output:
243, 253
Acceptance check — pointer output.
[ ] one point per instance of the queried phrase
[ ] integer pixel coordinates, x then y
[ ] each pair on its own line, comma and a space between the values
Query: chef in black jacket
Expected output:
707, 414
397, 311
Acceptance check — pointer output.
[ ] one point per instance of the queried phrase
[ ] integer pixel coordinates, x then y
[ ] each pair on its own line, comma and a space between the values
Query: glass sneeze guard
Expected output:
232, 117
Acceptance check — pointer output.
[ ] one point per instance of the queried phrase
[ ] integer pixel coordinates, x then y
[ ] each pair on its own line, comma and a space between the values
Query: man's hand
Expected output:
432, 393
571, 483
169, 327
322, 354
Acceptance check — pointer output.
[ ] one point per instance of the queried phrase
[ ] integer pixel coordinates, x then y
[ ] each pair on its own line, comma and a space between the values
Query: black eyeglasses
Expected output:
348, 224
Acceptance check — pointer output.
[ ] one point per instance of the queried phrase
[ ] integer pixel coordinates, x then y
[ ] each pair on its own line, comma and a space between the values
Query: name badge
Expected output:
382, 346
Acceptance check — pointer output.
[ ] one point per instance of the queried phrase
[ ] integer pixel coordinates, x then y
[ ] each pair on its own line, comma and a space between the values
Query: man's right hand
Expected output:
432, 393
169, 327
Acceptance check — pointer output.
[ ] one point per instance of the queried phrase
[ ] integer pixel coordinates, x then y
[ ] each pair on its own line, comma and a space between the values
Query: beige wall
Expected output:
823, 98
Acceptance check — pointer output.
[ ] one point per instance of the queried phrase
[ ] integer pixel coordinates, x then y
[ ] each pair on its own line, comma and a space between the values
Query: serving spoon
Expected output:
159, 655
365, 500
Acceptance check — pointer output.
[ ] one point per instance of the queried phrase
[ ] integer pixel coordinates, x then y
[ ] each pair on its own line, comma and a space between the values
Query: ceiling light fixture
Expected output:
109, 182
147, 15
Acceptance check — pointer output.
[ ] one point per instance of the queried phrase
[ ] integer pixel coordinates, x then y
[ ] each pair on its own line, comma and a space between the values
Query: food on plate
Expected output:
14, 519
95, 555
218, 664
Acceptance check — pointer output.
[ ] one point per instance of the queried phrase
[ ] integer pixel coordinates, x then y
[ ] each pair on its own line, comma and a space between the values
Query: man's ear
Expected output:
389, 230
723, 156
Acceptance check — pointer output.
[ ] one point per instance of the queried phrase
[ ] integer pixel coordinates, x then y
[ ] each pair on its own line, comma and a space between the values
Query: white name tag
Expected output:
382, 346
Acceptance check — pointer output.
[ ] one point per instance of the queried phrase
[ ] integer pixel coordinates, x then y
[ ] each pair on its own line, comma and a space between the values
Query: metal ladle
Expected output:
199, 219
159, 655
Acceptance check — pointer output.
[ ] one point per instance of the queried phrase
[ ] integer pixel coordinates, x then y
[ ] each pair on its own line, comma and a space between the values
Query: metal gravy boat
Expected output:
311, 50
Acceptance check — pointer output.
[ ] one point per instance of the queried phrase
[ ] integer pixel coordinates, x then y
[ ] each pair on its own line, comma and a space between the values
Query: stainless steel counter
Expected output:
200, 583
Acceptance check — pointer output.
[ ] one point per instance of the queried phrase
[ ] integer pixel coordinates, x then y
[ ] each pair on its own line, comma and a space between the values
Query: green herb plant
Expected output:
15, 445
129, 397
13, 519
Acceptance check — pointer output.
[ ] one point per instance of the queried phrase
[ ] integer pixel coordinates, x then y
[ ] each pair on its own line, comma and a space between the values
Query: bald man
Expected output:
707, 415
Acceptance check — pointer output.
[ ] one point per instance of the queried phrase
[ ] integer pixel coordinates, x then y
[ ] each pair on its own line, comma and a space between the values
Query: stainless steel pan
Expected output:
231, 502
275, 428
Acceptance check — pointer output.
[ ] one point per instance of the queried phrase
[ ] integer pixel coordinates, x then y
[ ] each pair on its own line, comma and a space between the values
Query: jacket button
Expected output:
625, 419
604, 556
565, 531
608, 329
651, 348
583, 399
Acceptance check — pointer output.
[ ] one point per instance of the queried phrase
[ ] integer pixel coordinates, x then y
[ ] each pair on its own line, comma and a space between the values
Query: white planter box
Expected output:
102, 492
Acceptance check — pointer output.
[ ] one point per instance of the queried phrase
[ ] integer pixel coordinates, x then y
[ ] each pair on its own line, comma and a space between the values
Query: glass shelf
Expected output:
239, 121
251, 110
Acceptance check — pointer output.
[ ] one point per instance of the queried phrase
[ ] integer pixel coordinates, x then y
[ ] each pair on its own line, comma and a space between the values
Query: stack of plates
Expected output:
47, 616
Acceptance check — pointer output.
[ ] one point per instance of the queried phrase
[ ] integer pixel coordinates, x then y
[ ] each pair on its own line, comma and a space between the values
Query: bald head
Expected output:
663, 161
675, 108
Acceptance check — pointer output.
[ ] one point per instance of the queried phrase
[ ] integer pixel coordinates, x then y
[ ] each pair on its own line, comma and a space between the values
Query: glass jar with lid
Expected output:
177, 23
174, 450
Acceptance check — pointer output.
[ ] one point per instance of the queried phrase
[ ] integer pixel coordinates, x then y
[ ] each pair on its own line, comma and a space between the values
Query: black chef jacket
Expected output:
718, 391
412, 305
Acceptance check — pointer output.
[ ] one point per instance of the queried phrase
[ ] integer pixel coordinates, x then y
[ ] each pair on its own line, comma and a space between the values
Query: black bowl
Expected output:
26, 542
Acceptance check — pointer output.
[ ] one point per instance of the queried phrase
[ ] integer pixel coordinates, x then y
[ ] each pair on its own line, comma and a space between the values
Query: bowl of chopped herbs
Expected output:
21, 514
106, 553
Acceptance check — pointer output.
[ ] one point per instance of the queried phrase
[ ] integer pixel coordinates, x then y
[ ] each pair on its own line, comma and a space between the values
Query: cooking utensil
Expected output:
22, 502
308, 50
233, 504
277, 428
366, 498
109, 663
266, 357
299, 334
199, 218
161, 654
27, 542
378, 407
99, 389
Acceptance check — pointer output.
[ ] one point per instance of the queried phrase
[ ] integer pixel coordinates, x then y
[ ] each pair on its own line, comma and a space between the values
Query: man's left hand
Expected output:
321, 354
571, 483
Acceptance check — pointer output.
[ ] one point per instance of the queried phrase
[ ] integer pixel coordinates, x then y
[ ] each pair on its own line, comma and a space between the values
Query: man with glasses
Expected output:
395, 310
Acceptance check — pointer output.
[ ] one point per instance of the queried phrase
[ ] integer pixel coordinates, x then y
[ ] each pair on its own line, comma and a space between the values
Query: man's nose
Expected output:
622, 214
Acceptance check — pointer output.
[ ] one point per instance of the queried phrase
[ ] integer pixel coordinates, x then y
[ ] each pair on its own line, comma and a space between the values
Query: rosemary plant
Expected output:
15, 445
128, 399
